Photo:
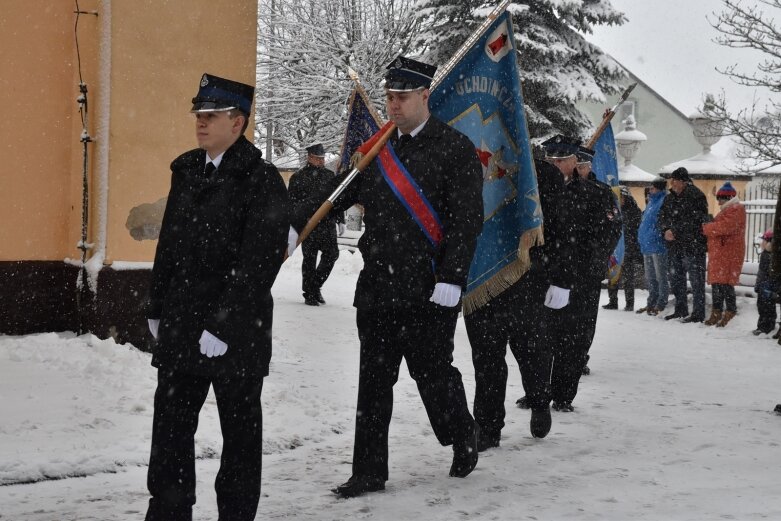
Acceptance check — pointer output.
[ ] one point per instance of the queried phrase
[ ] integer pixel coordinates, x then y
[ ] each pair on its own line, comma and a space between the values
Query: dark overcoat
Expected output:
684, 214
401, 266
303, 183
221, 245
594, 227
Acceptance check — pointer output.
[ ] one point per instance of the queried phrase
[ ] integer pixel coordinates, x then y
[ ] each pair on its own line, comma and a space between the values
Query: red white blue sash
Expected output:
410, 194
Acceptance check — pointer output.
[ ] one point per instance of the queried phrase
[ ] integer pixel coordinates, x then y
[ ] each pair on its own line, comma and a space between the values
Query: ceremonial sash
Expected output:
410, 194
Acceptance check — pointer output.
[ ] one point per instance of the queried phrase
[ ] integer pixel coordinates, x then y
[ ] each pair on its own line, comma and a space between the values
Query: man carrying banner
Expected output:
423, 213
594, 226
519, 316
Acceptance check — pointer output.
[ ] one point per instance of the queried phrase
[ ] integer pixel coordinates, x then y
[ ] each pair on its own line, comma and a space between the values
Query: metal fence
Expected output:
760, 202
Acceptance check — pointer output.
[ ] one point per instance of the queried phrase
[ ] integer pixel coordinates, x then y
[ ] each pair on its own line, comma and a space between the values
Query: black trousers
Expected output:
314, 275
517, 317
628, 278
572, 331
724, 294
171, 478
423, 336
766, 307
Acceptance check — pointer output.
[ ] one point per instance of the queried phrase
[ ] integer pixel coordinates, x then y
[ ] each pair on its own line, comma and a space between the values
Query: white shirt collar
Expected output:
217, 160
415, 131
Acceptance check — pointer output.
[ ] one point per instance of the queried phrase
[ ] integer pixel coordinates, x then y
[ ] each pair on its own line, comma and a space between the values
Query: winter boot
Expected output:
613, 304
714, 318
728, 315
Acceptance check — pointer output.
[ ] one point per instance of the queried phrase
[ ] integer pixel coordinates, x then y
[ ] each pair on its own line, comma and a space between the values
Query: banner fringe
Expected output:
507, 276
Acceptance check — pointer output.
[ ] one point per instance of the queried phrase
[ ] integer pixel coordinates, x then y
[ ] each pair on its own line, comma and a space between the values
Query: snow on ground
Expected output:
674, 423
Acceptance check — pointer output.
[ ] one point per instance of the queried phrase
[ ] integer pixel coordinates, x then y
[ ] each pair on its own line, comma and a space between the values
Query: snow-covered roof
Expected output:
706, 163
634, 174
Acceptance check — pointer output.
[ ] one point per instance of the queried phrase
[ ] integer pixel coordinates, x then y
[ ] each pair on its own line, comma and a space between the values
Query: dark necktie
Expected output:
404, 139
209, 171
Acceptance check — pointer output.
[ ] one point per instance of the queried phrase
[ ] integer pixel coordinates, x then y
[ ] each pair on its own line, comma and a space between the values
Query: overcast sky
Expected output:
669, 45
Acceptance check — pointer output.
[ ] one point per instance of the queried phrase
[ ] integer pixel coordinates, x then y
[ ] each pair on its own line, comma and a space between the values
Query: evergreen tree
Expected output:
558, 67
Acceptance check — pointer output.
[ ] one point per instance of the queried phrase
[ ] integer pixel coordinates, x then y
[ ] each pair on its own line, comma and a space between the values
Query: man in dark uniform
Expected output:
408, 293
683, 212
594, 228
519, 316
222, 242
630, 216
323, 238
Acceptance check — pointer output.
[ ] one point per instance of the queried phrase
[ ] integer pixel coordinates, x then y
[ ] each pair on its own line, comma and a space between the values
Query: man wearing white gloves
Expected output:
416, 248
221, 245
303, 184
518, 316
594, 228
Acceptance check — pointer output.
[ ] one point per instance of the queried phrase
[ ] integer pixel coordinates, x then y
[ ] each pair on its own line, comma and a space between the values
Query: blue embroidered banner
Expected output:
605, 167
481, 97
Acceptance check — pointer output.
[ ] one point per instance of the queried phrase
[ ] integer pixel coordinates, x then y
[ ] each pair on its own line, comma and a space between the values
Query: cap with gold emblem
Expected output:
561, 146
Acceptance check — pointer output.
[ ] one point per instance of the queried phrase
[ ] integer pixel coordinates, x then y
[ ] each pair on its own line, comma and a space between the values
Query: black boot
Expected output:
465, 454
540, 423
319, 297
522, 402
358, 485
487, 440
613, 304
310, 299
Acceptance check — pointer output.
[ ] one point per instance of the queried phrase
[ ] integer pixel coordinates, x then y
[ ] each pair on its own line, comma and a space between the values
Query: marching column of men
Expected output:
221, 247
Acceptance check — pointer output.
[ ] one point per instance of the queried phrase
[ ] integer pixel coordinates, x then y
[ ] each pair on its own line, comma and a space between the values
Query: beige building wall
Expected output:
152, 55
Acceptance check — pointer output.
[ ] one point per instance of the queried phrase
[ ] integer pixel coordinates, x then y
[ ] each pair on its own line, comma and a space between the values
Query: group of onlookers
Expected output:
677, 239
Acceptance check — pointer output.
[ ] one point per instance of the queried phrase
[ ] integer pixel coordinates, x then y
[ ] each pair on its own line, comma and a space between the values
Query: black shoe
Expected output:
777, 409
629, 307
522, 402
563, 406
358, 485
487, 440
692, 319
465, 455
310, 299
610, 305
540, 423
319, 297
777, 334
675, 315
586, 371
758, 332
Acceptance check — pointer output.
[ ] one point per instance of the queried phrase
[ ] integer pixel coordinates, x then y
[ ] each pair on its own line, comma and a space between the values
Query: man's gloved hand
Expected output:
340, 229
446, 294
292, 240
154, 325
212, 346
556, 297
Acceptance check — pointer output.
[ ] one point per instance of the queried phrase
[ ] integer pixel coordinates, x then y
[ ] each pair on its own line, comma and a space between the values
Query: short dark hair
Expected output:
234, 113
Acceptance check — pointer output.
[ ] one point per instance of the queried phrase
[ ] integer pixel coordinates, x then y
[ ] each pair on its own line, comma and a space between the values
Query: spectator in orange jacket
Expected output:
726, 250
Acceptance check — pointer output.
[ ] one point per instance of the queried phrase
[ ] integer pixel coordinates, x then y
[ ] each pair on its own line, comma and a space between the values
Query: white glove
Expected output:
556, 297
446, 294
211, 345
340, 229
154, 325
292, 240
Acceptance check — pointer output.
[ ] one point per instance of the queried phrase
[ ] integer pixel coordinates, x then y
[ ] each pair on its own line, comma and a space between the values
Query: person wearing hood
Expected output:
726, 249
654, 250
765, 288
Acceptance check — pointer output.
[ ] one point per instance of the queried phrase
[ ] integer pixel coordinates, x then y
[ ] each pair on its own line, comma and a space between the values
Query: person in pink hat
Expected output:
726, 249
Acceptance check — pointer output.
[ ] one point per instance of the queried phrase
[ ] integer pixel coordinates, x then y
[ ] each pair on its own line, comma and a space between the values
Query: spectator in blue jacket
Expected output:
654, 250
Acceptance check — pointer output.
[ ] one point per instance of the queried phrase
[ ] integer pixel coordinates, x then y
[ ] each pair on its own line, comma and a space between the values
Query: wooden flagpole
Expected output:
607, 117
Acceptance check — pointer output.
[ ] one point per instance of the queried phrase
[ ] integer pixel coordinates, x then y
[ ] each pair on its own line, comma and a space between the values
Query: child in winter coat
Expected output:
764, 288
